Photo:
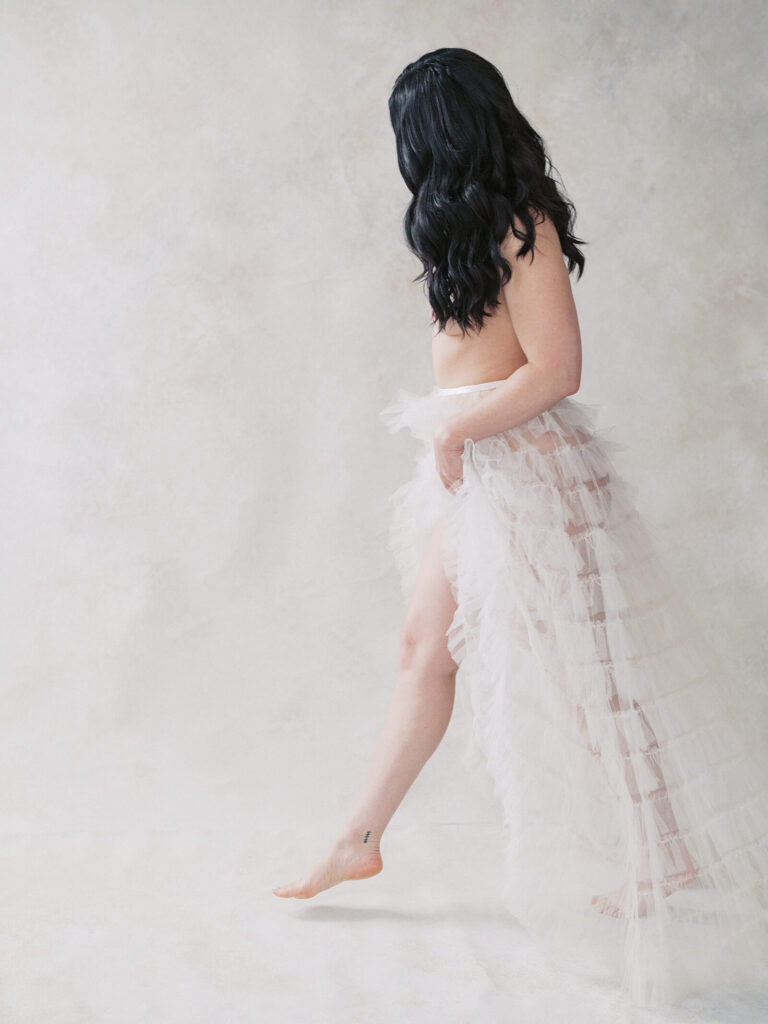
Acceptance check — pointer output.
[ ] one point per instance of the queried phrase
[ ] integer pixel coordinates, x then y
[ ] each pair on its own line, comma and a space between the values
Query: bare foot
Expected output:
612, 902
349, 858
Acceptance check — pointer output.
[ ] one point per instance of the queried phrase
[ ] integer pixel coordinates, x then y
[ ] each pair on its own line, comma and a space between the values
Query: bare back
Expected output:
490, 354
493, 353
545, 315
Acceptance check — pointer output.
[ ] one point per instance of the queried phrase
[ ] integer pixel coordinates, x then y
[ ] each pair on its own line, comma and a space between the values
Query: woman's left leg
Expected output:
418, 716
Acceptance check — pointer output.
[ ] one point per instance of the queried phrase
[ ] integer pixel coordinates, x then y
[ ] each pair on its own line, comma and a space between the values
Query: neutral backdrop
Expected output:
206, 300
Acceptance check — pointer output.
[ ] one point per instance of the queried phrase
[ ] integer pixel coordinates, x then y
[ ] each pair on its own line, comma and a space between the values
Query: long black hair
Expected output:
472, 162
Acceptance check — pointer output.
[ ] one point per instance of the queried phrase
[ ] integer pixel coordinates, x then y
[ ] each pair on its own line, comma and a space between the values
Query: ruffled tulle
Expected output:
620, 752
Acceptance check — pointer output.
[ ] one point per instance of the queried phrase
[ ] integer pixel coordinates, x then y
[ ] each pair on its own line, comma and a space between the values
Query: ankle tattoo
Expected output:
370, 839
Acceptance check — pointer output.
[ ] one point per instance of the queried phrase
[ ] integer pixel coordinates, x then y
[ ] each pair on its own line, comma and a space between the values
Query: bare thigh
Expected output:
430, 610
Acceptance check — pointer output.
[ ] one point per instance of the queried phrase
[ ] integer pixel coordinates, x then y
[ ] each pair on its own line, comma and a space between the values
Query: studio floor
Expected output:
180, 927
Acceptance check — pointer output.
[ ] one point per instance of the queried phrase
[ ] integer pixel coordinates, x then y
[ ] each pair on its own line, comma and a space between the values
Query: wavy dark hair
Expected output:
472, 162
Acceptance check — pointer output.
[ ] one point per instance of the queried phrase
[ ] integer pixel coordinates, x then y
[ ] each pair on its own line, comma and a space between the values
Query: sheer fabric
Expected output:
626, 763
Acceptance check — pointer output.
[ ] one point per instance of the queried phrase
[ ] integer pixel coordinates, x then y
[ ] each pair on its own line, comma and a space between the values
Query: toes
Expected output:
299, 891
284, 890
606, 905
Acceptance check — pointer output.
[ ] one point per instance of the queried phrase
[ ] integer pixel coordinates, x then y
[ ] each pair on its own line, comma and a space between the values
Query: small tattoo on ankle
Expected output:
366, 836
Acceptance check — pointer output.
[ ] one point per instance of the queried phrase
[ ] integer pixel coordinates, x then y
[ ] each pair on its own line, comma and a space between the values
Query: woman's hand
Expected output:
448, 451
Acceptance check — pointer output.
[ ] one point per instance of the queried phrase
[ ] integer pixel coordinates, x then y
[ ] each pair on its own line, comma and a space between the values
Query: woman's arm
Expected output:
543, 312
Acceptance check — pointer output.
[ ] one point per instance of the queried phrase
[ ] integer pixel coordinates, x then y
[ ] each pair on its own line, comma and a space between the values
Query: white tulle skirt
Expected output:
622, 756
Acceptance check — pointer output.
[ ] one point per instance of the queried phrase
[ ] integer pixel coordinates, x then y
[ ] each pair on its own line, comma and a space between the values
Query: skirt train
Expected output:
631, 772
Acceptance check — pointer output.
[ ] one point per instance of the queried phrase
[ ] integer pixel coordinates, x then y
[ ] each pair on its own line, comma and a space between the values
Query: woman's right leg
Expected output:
418, 715
654, 818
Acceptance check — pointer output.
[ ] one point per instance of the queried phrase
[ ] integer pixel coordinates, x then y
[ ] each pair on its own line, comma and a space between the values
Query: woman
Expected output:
631, 782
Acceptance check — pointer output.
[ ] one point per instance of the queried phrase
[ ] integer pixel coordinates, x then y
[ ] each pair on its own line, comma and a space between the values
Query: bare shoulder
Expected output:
547, 239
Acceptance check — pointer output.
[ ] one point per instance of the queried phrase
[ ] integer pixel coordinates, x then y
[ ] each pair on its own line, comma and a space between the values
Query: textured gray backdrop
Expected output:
206, 300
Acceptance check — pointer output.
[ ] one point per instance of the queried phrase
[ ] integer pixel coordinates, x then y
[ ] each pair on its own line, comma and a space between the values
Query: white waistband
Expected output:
470, 387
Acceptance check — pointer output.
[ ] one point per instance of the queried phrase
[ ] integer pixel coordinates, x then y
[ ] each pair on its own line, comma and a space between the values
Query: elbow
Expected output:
572, 385
568, 381
571, 369
572, 376
565, 380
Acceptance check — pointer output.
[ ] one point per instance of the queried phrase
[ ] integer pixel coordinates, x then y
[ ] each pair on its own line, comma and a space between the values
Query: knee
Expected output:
425, 650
